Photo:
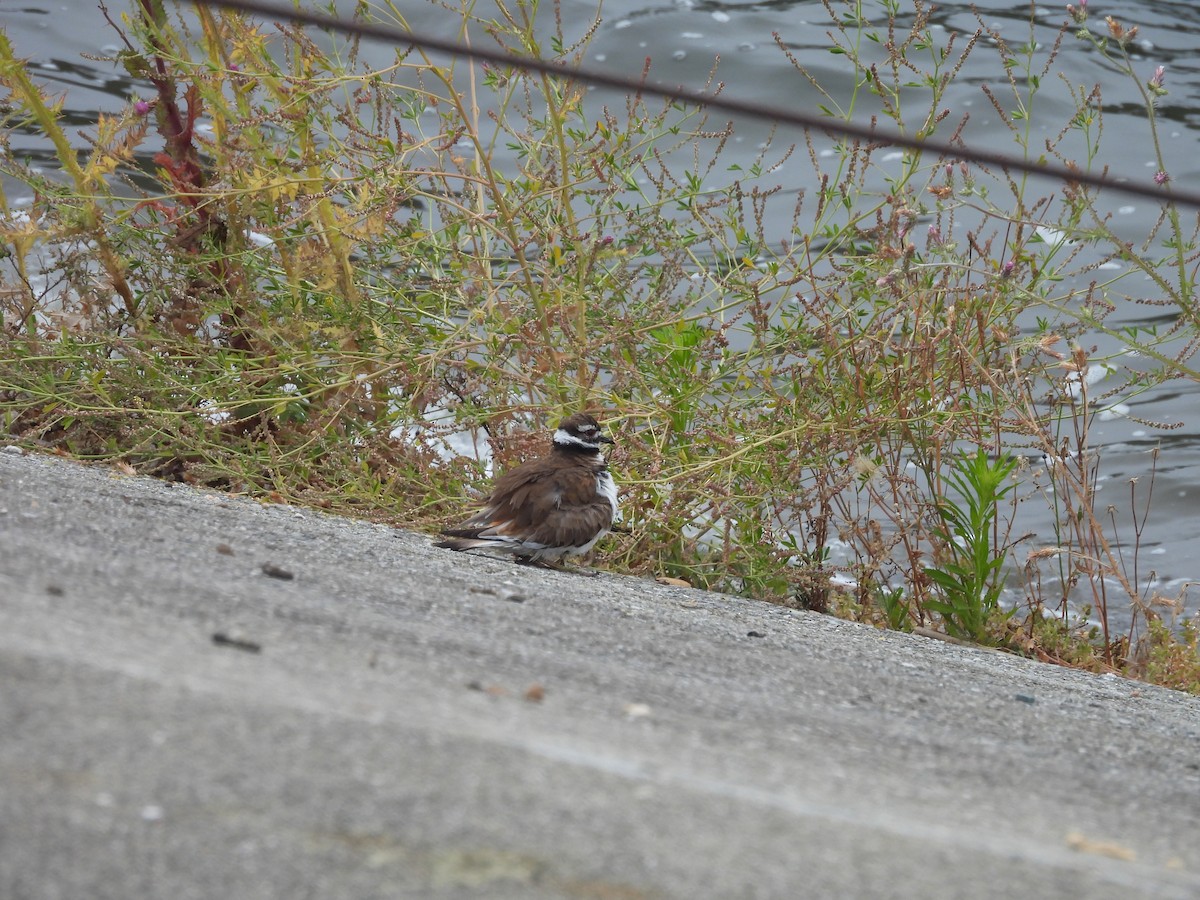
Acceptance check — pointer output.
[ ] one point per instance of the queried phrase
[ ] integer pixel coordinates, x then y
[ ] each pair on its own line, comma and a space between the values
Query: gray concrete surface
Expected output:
417, 723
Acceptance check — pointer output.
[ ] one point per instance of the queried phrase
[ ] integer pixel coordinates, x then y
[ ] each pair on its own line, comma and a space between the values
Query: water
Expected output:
685, 38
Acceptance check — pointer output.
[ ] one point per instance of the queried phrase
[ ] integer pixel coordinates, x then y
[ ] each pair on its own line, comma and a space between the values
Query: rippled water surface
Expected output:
683, 41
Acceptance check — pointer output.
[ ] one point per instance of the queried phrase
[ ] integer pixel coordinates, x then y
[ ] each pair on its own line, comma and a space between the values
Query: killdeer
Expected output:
549, 508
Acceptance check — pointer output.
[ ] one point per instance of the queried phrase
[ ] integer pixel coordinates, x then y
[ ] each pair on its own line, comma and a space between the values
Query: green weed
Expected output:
971, 575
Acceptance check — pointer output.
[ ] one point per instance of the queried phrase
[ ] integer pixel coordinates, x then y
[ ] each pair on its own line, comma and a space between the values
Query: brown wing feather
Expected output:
521, 506
573, 527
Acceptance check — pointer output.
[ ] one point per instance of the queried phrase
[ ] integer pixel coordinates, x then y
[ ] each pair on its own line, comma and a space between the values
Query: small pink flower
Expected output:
141, 107
1155, 84
606, 240
935, 235
1007, 269
234, 67
1161, 177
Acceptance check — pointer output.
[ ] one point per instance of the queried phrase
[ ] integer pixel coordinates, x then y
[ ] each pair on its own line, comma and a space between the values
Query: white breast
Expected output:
608, 488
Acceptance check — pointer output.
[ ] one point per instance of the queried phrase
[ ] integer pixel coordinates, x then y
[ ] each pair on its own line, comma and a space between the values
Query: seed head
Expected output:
1119, 32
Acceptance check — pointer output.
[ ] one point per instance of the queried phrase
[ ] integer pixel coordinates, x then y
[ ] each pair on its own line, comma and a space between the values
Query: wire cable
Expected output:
712, 100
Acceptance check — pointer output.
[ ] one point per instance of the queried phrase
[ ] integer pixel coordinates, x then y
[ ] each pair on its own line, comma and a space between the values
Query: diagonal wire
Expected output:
956, 151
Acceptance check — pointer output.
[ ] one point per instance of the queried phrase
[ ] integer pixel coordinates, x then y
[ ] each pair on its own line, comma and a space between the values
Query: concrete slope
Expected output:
378, 718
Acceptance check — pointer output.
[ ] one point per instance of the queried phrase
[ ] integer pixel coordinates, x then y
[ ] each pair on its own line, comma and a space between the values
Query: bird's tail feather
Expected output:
466, 543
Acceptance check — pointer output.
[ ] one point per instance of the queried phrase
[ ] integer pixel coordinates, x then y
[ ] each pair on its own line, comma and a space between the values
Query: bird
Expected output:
550, 508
